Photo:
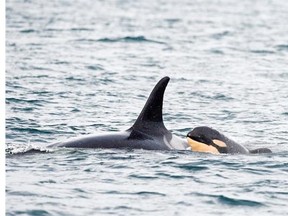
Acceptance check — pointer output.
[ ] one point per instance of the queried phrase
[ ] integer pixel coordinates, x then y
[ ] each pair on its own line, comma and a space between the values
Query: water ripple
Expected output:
238, 202
72, 68
129, 39
32, 212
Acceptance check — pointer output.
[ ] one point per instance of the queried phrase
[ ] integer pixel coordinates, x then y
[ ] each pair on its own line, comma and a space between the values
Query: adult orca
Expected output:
206, 139
148, 131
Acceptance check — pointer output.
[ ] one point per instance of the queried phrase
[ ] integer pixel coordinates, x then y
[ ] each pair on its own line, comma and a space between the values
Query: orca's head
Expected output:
205, 139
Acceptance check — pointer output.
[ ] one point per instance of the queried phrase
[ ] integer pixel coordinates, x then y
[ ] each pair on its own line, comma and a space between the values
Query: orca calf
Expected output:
148, 131
206, 139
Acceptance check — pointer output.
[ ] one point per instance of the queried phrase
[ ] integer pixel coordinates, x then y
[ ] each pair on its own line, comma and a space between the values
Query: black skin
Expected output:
148, 132
206, 135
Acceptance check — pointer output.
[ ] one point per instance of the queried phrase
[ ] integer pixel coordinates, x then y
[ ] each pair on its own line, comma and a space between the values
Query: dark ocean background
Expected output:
84, 67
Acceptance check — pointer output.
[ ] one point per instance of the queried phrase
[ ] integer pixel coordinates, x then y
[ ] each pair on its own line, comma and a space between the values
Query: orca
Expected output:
206, 139
148, 132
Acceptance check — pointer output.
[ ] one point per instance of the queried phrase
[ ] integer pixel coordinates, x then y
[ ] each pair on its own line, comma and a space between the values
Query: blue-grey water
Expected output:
84, 67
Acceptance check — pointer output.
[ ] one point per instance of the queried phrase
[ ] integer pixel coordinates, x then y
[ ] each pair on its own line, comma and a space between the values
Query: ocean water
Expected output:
85, 67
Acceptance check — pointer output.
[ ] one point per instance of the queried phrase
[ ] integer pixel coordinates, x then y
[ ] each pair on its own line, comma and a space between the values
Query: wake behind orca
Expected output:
148, 132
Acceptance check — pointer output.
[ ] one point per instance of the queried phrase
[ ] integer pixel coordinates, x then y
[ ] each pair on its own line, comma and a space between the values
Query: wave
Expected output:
127, 39
26, 148
32, 130
238, 202
282, 47
228, 200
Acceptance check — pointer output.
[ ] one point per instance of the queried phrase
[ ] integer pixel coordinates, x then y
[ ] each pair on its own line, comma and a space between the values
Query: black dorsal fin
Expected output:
152, 111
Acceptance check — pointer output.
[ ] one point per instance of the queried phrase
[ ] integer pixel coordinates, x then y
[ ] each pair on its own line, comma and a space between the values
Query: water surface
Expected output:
84, 67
